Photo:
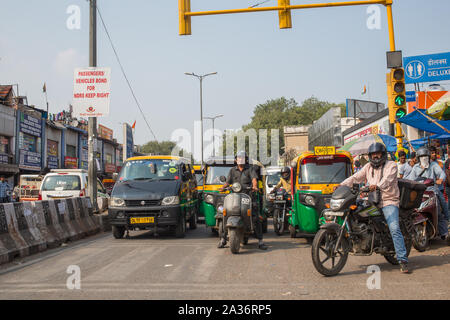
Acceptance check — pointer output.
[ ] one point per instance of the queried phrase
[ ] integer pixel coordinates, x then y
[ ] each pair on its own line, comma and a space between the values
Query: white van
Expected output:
70, 183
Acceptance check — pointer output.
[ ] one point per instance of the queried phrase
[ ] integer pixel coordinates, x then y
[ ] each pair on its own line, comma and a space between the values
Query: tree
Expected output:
163, 148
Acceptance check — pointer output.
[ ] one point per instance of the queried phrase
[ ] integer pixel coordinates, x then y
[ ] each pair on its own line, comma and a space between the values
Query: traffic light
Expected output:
185, 21
397, 94
284, 15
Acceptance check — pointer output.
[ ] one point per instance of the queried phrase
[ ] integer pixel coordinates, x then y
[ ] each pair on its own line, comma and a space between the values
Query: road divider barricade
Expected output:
31, 227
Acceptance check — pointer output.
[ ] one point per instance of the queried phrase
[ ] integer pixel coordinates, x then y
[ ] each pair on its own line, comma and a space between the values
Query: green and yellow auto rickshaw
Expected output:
212, 199
315, 176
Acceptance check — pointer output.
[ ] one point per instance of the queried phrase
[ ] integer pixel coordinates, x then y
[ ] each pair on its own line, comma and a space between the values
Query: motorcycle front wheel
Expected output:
323, 255
277, 223
421, 237
235, 240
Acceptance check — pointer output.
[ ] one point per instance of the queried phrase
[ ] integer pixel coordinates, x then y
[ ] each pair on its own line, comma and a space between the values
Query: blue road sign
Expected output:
427, 68
410, 96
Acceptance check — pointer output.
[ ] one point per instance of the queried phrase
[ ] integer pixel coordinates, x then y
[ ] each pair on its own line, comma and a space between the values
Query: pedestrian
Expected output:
357, 166
401, 161
4, 190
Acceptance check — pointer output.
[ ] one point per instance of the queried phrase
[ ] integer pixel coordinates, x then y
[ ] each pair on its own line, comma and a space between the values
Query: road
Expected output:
148, 267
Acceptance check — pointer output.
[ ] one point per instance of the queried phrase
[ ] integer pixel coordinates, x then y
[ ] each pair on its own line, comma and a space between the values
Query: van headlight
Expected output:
116, 202
336, 204
167, 201
209, 199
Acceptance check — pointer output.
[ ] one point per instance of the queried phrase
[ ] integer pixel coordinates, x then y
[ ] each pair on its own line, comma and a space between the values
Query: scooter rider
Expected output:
381, 173
431, 170
285, 181
247, 177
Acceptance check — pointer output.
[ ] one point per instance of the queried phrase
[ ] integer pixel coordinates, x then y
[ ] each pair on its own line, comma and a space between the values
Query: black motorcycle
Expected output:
364, 230
281, 200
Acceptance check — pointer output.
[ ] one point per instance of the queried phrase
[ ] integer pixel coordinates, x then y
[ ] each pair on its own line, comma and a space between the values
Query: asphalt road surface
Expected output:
163, 267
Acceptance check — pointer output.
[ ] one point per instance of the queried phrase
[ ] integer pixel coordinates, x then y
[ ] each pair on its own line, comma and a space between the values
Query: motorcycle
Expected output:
364, 230
426, 218
281, 212
237, 216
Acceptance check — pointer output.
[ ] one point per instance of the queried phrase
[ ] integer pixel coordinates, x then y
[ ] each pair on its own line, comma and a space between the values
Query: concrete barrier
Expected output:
31, 227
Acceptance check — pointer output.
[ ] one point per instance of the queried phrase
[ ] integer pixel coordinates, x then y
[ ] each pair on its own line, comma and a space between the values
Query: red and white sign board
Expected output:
91, 92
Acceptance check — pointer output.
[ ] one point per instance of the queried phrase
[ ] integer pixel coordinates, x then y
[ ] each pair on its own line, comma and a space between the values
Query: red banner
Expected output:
110, 168
71, 163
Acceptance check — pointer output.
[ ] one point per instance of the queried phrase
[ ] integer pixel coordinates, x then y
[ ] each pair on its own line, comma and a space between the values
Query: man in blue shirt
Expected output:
4, 189
432, 170
406, 169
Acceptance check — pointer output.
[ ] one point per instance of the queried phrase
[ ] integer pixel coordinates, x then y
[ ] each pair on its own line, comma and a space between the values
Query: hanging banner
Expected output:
91, 92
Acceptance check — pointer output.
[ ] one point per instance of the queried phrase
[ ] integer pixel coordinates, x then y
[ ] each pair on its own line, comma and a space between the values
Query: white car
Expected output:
70, 183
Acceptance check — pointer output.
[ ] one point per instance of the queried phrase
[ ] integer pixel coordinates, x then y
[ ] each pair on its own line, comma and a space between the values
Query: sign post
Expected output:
427, 68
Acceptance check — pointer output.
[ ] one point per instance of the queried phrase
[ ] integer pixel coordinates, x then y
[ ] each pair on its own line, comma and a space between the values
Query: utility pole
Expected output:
92, 126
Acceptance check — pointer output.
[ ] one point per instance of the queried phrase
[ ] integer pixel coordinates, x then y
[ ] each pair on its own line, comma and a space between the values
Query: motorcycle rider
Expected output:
431, 170
381, 173
247, 177
285, 180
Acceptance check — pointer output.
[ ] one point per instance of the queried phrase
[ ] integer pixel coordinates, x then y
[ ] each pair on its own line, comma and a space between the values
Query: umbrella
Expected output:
361, 145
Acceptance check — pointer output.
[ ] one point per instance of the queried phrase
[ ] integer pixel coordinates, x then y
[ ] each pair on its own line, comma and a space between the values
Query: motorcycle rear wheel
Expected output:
325, 242
235, 240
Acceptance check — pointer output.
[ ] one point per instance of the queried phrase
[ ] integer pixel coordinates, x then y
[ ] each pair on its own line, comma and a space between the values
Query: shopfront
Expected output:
29, 142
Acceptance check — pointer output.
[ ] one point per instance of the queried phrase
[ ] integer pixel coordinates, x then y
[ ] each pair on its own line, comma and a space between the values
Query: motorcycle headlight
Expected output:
336, 204
116, 202
280, 198
271, 196
236, 187
167, 201
310, 201
209, 199
220, 209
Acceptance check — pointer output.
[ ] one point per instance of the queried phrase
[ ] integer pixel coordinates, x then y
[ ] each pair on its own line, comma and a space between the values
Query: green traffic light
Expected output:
400, 113
400, 100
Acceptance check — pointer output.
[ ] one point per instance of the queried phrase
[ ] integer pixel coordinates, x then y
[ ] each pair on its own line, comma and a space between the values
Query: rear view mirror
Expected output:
222, 179
428, 182
152, 168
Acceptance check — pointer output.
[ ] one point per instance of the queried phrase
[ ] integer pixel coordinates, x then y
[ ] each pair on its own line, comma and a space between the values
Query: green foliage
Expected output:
162, 148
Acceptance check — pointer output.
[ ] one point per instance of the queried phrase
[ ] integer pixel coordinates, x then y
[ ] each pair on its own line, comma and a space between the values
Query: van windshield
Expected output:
273, 179
320, 171
150, 169
61, 183
214, 173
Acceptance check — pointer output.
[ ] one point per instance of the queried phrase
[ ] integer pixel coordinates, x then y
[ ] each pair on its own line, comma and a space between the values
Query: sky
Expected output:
328, 53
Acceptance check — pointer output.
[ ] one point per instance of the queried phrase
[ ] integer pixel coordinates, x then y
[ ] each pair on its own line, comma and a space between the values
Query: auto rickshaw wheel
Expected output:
292, 231
193, 221
180, 229
245, 240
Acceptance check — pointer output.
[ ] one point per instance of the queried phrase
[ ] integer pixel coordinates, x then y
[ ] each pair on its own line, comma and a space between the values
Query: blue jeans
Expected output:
391, 214
442, 214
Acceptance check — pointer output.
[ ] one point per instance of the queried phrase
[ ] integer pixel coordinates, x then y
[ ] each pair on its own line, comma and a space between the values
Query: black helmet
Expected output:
423, 152
241, 154
377, 147
285, 173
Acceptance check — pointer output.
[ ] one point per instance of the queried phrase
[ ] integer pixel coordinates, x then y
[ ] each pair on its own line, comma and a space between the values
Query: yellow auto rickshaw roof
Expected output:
197, 167
305, 154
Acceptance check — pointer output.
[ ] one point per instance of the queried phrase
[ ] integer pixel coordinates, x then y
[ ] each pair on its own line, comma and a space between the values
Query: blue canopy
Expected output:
423, 141
417, 120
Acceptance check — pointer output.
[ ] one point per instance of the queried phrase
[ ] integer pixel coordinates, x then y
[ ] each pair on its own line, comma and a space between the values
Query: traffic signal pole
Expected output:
284, 9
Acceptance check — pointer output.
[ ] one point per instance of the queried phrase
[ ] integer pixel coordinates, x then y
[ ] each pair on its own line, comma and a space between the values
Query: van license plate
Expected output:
142, 220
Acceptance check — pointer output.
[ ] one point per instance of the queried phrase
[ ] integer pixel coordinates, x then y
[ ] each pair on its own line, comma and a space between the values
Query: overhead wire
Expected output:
124, 74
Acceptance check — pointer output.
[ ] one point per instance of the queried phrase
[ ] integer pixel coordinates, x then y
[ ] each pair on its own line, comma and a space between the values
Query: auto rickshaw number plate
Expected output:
142, 220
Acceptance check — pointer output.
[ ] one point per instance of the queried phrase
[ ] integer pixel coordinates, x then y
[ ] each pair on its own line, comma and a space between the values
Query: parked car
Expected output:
69, 183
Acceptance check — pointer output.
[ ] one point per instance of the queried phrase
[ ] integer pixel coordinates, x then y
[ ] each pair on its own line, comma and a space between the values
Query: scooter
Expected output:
425, 218
237, 216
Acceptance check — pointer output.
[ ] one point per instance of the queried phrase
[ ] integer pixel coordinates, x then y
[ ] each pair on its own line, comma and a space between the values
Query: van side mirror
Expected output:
115, 176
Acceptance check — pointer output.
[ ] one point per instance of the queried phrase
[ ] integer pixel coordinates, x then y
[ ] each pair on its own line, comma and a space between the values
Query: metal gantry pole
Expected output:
92, 126
201, 114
